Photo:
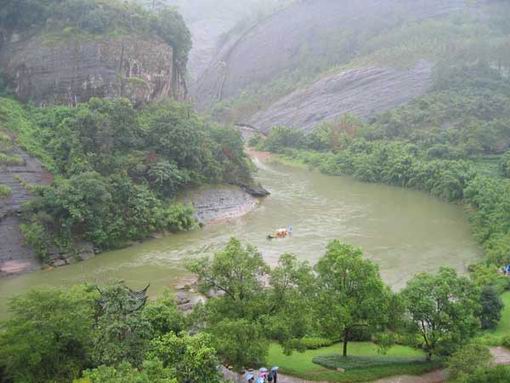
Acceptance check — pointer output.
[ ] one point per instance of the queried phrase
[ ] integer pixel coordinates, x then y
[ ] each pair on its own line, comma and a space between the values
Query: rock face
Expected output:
71, 70
304, 32
220, 203
363, 92
15, 256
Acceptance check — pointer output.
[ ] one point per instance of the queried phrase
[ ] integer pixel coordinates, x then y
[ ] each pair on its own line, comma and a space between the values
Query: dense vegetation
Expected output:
109, 333
117, 169
434, 144
98, 17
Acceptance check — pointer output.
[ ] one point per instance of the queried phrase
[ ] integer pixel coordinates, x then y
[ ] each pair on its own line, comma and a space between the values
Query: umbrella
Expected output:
263, 369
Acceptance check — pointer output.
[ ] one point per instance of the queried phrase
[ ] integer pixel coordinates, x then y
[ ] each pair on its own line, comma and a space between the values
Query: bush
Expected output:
504, 165
506, 341
313, 343
336, 361
8, 160
491, 306
468, 359
5, 191
499, 374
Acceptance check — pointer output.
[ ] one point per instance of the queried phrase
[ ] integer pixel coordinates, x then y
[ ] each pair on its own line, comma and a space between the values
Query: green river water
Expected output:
403, 231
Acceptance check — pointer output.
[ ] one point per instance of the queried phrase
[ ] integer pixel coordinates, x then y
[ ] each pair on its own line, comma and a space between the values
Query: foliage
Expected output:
11, 160
283, 137
498, 374
152, 372
491, 306
118, 169
99, 17
504, 165
48, 337
121, 334
442, 311
192, 358
164, 316
314, 343
5, 191
351, 293
336, 361
468, 359
240, 343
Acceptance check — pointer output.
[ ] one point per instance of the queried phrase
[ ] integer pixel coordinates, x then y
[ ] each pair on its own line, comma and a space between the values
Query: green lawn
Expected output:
301, 365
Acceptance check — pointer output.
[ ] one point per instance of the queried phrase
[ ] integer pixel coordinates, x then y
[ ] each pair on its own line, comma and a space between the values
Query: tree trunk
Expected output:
346, 339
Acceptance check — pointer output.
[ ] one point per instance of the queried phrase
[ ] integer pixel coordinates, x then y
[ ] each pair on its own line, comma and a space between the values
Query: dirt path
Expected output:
501, 355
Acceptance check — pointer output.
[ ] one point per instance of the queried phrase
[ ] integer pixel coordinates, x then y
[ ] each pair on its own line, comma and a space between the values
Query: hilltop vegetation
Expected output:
60, 18
433, 144
117, 169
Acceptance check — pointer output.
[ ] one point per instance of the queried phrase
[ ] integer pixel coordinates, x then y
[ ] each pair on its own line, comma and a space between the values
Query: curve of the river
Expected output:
404, 231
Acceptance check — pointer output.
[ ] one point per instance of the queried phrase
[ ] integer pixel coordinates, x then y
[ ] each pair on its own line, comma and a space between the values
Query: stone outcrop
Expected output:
15, 256
363, 92
219, 203
301, 33
63, 70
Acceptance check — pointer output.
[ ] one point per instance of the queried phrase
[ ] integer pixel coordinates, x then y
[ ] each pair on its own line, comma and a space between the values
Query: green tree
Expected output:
237, 272
152, 372
240, 343
121, 333
290, 295
491, 306
164, 316
48, 337
193, 358
442, 310
350, 293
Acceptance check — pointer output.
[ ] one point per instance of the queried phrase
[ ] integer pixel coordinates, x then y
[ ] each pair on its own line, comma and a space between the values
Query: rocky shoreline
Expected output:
212, 204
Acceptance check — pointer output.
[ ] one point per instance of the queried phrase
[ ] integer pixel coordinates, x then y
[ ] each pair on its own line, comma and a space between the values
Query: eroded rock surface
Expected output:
293, 36
220, 203
363, 92
71, 70
15, 256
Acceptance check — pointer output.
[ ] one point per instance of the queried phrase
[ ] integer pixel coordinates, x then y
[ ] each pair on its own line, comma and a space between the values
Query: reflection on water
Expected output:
404, 231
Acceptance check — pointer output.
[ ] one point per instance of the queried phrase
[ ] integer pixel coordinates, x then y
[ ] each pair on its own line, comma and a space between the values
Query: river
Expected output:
403, 231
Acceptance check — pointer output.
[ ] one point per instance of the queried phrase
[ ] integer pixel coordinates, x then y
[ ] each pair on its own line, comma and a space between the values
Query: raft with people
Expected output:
281, 233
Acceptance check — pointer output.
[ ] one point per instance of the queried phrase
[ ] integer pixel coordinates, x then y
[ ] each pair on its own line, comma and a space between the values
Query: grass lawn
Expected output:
302, 366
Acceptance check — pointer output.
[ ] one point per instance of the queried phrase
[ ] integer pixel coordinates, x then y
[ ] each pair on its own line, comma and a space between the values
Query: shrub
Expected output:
313, 343
506, 341
499, 374
11, 160
468, 359
492, 305
5, 191
336, 361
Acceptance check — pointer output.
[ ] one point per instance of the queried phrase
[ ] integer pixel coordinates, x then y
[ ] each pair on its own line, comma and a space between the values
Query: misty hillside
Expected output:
317, 60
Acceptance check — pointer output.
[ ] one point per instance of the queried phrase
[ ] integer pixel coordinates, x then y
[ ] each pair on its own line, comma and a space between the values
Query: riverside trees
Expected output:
111, 334
350, 293
441, 310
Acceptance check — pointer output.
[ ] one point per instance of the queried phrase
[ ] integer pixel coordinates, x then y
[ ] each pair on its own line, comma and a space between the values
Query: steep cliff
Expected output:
71, 70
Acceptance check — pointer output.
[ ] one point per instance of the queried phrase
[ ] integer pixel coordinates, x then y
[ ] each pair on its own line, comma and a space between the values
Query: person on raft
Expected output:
281, 233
